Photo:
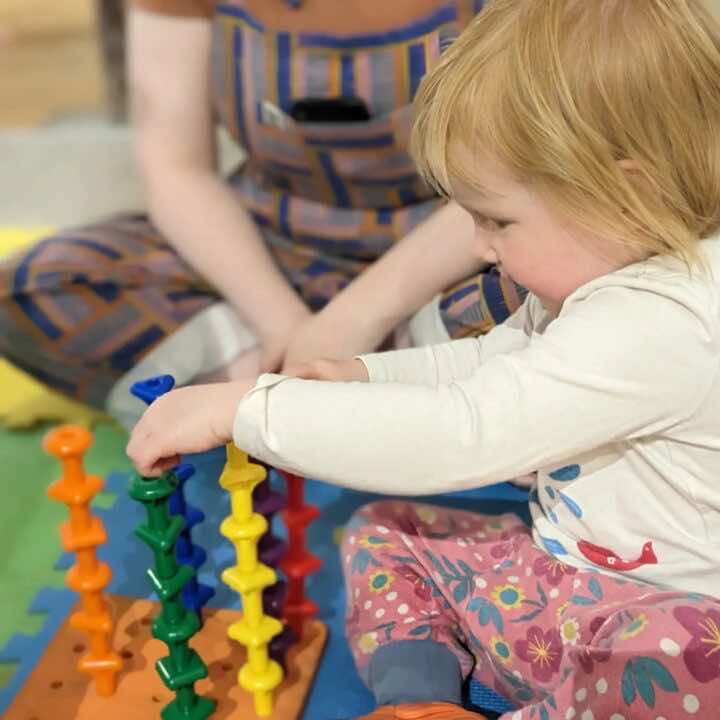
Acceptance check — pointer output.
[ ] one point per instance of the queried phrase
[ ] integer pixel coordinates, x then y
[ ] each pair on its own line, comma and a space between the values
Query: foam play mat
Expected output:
36, 603
12, 238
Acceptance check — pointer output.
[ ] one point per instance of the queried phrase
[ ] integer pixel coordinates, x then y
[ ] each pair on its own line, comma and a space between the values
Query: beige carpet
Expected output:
70, 173
66, 174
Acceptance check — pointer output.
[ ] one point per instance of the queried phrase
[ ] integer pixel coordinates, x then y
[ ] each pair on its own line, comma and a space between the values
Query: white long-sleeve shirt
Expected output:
615, 404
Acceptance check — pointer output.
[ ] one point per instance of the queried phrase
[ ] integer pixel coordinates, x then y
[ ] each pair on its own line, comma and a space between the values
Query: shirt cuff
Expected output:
250, 428
376, 368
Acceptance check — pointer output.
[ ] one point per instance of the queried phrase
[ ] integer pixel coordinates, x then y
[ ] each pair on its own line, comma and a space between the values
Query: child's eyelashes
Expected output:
490, 223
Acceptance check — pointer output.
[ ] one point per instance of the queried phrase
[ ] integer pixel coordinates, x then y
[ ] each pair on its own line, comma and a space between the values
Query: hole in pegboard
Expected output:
156, 699
56, 684
132, 630
226, 667
126, 654
78, 648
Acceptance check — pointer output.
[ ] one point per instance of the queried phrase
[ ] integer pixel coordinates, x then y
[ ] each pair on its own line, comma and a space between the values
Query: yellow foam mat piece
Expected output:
13, 238
23, 400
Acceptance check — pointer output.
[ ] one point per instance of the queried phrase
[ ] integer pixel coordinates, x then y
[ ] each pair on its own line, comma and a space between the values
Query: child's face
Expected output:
517, 230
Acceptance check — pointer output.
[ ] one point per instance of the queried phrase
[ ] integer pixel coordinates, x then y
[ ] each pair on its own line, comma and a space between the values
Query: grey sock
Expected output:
411, 671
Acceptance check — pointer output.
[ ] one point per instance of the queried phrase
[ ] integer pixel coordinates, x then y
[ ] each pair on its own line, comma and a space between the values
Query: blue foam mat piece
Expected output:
128, 558
26, 650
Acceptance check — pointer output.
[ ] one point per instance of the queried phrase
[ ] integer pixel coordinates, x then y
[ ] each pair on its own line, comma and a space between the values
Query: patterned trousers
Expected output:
556, 641
82, 308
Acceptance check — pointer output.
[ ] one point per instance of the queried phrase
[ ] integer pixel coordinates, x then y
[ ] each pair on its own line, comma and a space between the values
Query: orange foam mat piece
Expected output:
56, 690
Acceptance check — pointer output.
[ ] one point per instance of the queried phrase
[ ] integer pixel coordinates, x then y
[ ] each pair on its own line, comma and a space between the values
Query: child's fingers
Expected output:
163, 465
303, 371
152, 466
136, 444
142, 460
146, 452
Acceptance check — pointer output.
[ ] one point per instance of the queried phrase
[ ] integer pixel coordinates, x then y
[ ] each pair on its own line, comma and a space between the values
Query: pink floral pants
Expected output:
556, 641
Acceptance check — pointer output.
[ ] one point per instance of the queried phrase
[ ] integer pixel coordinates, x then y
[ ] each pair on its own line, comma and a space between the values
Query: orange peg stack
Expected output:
81, 534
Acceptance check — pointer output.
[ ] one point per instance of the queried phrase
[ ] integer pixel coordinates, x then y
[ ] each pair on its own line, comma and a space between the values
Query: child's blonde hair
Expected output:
560, 91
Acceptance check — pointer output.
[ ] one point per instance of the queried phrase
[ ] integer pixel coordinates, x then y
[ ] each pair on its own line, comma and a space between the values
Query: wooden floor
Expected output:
51, 80
50, 67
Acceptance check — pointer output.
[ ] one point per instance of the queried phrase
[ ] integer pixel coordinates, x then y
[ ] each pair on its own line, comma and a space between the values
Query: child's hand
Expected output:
187, 420
333, 370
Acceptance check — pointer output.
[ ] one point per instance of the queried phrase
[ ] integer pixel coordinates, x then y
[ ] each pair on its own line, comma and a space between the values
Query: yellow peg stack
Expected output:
260, 675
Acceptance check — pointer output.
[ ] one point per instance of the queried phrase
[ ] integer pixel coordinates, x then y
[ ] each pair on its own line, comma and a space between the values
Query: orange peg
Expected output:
81, 534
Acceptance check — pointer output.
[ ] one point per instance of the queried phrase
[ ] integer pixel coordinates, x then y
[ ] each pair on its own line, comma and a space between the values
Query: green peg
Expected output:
175, 625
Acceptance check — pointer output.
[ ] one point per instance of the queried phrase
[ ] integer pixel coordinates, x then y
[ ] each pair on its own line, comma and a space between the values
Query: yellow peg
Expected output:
260, 675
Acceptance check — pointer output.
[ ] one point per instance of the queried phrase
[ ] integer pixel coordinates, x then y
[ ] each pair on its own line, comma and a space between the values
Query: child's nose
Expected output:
489, 255
484, 247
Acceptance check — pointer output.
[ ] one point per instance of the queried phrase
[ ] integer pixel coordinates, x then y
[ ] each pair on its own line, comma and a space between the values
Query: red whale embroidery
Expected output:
608, 559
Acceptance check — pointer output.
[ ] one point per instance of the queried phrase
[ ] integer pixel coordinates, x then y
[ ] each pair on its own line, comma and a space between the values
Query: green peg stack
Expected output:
175, 625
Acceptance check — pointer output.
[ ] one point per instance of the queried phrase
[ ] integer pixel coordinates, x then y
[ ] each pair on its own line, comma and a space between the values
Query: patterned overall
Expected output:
80, 309
557, 641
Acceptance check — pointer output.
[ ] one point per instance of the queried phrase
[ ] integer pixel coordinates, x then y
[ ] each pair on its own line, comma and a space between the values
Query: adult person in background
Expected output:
303, 252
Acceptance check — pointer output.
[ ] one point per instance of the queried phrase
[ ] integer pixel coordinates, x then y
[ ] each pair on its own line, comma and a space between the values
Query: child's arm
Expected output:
430, 365
200, 417
602, 372
433, 365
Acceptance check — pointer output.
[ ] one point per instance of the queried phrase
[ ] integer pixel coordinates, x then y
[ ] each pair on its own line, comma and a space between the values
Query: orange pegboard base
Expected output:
56, 690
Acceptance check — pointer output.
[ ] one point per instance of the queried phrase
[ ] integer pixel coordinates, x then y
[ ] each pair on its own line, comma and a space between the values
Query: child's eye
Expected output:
490, 224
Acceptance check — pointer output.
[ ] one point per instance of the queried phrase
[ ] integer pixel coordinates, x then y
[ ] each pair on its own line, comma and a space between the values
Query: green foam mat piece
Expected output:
29, 520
